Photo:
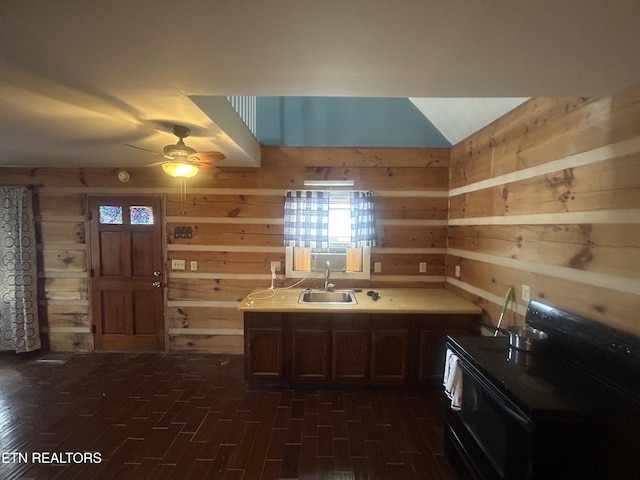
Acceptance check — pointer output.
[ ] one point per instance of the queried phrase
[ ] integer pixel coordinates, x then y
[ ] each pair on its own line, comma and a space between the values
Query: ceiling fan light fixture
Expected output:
180, 169
178, 150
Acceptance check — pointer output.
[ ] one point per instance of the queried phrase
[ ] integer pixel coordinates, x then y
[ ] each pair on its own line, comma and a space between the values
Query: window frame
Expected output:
364, 273
365, 253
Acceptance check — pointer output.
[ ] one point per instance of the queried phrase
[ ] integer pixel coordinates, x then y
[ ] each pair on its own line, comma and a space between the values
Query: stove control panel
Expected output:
588, 335
623, 348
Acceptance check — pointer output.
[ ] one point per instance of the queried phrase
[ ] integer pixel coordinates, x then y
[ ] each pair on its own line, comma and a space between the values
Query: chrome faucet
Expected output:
327, 273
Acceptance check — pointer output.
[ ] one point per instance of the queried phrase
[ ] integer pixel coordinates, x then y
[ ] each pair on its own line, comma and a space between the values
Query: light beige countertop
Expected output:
391, 300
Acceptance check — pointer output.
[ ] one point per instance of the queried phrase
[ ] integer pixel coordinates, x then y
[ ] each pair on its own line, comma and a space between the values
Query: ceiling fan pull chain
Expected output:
183, 195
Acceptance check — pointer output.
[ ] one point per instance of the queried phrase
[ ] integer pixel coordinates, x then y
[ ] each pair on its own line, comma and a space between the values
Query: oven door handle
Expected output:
514, 414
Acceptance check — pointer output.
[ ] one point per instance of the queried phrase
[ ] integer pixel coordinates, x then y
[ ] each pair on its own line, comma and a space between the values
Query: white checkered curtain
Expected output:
19, 330
363, 220
306, 218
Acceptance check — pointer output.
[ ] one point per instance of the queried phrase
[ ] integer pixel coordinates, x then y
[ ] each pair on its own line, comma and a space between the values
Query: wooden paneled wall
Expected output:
549, 196
237, 224
237, 230
63, 266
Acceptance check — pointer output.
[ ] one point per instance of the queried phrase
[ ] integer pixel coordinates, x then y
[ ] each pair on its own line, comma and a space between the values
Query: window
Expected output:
111, 214
114, 215
322, 227
339, 219
141, 215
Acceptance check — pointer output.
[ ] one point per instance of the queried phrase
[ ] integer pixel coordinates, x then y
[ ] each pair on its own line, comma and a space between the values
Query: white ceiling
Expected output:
79, 79
457, 118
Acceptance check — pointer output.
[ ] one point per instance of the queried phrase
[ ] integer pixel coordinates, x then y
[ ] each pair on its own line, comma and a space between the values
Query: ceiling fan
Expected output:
180, 159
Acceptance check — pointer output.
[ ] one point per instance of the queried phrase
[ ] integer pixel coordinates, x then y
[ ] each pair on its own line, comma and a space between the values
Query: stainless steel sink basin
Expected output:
334, 297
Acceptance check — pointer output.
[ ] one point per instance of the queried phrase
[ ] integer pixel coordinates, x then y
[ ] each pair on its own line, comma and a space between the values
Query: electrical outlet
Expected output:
275, 267
194, 266
178, 264
526, 293
423, 267
457, 272
377, 267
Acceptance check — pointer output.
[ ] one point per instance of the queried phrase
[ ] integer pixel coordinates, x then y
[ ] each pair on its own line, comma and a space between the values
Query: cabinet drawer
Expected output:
310, 320
263, 319
355, 321
389, 321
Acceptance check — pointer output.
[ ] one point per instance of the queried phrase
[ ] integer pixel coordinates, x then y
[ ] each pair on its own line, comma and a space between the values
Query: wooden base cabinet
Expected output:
390, 348
329, 348
389, 356
350, 348
342, 348
432, 332
264, 346
310, 344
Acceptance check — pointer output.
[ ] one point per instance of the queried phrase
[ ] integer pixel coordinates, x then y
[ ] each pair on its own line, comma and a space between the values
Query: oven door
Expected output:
489, 433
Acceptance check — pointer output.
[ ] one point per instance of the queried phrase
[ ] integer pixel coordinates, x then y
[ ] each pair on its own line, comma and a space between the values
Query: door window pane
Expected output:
141, 215
110, 214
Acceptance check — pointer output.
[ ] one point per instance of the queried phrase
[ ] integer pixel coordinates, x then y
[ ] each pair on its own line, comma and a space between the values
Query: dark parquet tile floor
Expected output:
189, 416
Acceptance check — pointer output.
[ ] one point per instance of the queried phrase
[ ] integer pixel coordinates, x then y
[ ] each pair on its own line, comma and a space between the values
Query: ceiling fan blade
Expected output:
205, 165
144, 149
208, 157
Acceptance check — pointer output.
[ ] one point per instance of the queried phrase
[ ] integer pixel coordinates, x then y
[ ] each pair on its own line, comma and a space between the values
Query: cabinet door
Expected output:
389, 355
263, 353
349, 355
264, 346
310, 352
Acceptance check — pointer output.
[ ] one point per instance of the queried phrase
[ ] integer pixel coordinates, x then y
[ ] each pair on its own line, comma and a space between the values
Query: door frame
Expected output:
163, 257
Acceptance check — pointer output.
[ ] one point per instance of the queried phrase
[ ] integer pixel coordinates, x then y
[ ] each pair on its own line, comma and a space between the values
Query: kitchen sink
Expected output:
333, 297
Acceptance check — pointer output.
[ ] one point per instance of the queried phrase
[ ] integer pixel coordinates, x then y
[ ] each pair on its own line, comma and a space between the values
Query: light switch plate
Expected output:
526, 293
423, 267
194, 266
457, 272
377, 267
276, 267
178, 264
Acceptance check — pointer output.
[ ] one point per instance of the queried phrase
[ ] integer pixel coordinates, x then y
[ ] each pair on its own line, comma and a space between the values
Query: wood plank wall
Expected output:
549, 196
236, 220
238, 231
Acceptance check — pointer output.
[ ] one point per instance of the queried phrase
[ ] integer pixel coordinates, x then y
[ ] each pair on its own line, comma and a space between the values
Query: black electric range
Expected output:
571, 410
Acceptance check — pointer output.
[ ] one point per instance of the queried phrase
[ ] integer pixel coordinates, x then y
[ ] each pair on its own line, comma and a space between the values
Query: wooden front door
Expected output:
126, 273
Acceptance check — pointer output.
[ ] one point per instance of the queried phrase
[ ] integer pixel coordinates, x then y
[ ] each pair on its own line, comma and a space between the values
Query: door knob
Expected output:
157, 273
157, 284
